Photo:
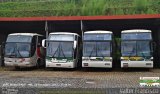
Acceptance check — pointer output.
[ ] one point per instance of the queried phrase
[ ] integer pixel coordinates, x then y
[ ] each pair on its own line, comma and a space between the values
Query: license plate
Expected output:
149, 64
58, 64
125, 65
15, 64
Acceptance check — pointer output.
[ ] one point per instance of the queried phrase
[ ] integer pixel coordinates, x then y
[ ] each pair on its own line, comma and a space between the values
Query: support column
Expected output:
82, 28
46, 28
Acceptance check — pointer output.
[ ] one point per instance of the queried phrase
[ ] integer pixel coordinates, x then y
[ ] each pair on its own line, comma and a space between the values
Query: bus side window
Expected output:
33, 45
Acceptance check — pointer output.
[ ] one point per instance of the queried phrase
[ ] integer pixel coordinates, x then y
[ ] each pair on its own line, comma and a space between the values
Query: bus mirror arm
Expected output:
75, 44
44, 43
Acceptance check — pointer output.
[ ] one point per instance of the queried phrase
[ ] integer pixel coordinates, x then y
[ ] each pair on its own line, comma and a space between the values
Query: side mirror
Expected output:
44, 43
75, 44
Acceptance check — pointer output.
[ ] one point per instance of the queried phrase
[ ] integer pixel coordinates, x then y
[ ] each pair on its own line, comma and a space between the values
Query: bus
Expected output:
24, 50
97, 49
136, 49
62, 50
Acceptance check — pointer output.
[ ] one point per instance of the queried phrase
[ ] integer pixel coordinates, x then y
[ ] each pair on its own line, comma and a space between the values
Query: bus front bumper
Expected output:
24, 64
18, 63
60, 65
97, 64
137, 64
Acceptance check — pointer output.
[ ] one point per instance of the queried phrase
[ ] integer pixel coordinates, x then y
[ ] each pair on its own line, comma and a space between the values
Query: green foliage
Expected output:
141, 6
26, 8
119, 12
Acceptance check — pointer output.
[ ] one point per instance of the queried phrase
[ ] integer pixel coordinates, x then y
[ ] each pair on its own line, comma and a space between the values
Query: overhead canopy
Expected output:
73, 23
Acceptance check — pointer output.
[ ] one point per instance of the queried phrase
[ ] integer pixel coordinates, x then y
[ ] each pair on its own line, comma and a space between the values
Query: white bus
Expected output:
62, 50
24, 50
97, 49
136, 49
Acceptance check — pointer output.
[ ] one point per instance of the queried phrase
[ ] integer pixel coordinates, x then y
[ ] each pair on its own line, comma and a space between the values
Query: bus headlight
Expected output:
48, 61
124, 59
85, 58
69, 60
108, 59
149, 59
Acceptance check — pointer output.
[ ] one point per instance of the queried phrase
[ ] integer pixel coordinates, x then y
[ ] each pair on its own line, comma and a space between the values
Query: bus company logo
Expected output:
149, 81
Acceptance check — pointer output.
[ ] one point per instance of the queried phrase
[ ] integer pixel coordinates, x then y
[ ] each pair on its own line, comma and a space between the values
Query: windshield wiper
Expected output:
92, 51
144, 56
132, 52
100, 52
19, 52
55, 51
12, 54
60, 50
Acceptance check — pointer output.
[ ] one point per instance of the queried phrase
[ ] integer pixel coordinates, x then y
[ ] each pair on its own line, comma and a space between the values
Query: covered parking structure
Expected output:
80, 24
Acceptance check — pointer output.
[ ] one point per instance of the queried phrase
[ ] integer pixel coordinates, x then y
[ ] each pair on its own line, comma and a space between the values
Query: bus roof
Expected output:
26, 34
64, 33
98, 31
136, 30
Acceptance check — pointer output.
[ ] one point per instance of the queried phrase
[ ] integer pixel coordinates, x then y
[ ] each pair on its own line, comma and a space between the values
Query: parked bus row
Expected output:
69, 50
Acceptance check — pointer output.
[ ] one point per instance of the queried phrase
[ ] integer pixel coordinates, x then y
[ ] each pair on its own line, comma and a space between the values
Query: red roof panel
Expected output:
62, 18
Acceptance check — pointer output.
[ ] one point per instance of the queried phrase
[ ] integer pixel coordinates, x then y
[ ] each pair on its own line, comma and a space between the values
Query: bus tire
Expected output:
38, 63
17, 68
85, 69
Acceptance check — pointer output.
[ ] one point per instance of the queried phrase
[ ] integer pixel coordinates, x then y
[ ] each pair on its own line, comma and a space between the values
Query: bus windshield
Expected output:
97, 49
136, 48
60, 49
18, 50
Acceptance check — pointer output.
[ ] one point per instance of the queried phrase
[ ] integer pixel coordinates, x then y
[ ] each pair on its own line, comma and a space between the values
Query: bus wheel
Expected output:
17, 68
85, 69
38, 63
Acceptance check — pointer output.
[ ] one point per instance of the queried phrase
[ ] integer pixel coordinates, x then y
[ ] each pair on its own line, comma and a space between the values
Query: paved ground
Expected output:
69, 79
61, 78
